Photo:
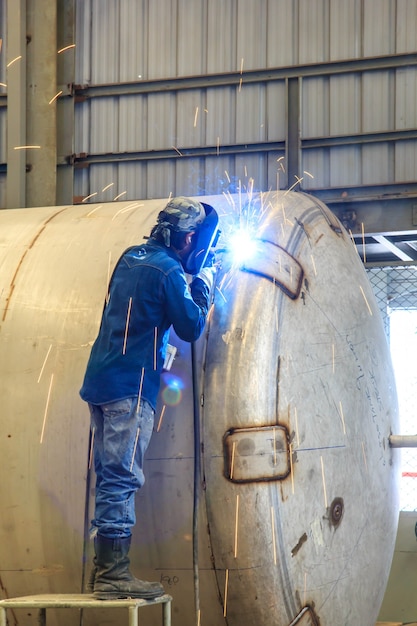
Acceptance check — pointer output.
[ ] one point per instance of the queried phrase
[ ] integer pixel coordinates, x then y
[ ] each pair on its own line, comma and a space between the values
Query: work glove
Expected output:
210, 259
207, 274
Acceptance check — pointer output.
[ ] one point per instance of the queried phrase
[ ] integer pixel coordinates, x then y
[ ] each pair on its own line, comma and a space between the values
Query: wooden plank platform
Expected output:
83, 601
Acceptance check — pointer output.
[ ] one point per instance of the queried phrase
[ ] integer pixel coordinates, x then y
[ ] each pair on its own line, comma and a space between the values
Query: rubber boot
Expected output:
113, 578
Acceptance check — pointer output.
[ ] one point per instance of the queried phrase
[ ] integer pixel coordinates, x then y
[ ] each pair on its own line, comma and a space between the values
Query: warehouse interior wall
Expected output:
159, 98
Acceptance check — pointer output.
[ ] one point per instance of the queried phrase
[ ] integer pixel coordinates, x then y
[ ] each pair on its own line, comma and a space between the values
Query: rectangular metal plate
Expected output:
256, 454
274, 263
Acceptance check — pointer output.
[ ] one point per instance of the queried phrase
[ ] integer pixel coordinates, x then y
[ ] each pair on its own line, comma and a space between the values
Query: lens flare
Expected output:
243, 246
172, 392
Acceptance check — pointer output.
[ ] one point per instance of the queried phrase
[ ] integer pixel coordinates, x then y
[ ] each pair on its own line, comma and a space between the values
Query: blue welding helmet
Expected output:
204, 240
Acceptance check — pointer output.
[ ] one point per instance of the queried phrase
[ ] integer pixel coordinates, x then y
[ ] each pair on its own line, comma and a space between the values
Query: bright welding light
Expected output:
243, 246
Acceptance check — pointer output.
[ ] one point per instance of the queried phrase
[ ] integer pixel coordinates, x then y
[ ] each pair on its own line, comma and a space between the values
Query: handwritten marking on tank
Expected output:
237, 334
366, 382
169, 580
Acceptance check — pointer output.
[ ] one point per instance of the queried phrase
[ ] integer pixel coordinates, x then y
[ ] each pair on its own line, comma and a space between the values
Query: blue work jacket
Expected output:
148, 293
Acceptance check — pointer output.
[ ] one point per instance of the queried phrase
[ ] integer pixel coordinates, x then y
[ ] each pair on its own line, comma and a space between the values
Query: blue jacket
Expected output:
147, 294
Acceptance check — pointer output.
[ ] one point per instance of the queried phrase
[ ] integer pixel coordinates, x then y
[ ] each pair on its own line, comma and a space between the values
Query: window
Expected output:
396, 291
403, 343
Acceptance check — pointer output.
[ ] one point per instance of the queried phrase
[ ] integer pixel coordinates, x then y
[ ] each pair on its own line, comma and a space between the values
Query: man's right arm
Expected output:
188, 306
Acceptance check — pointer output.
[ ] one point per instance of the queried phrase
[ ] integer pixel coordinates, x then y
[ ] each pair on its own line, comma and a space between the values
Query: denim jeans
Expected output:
122, 431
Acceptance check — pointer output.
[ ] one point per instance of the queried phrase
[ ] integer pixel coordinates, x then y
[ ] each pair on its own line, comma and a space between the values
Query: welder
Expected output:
148, 293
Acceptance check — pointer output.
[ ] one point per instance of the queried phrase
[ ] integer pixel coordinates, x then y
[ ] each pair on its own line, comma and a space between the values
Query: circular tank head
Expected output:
299, 403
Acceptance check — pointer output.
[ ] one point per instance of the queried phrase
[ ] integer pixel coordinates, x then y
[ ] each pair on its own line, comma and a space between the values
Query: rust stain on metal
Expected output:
19, 265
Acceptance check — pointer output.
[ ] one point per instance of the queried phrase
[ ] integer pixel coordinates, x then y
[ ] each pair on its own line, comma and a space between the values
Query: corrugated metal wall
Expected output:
131, 40
211, 138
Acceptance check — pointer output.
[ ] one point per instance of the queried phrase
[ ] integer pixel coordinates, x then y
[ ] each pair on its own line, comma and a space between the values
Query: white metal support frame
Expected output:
83, 601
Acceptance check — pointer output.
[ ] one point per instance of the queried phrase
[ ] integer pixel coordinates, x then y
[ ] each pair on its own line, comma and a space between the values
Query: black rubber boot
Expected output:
113, 578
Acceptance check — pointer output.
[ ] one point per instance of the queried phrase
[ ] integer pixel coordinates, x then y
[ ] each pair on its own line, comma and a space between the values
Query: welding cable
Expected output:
197, 395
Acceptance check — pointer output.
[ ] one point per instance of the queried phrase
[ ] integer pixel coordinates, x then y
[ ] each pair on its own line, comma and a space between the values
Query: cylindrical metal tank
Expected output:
298, 496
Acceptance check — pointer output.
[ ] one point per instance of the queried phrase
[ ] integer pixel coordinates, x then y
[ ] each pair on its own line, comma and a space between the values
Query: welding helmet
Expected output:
185, 215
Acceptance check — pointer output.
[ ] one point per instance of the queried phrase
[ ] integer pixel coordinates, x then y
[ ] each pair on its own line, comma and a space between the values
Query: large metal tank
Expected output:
292, 385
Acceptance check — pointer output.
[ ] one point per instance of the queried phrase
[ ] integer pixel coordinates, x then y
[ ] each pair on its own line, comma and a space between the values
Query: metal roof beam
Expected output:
238, 78
384, 241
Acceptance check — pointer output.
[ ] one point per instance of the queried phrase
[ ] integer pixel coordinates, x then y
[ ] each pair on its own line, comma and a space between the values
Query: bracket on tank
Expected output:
257, 453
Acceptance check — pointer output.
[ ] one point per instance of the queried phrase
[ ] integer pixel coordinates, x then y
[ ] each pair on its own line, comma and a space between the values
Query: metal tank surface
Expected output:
288, 398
